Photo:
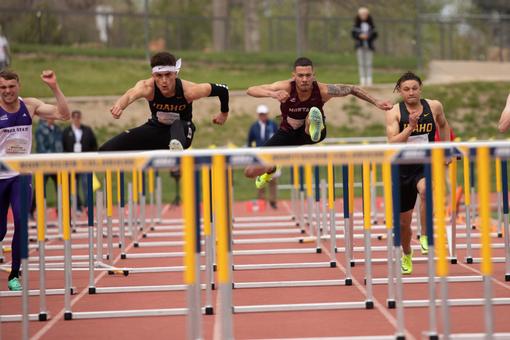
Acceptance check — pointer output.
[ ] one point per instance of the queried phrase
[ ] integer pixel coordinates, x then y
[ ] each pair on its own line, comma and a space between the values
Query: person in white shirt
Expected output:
5, 55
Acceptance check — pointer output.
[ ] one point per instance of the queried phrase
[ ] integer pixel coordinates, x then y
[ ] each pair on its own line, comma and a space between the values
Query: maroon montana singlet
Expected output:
298, 110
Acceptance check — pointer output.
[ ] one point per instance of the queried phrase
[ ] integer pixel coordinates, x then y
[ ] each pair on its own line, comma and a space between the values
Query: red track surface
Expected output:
311, 324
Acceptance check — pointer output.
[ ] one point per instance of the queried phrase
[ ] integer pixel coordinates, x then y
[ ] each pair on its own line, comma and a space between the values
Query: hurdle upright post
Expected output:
59, 202
373, 193
309, 196
351, 213
395, 179
66, 233
41, 235
388, 215
331, 207
317, 209
294, 172
499, 193
504, 170
151, 194
158, 196
74, 201
109, 214
24, 197
90, 215
121, 204
143, 201
429, 220
347, 218
467, 204
483, 169
206, 208
453, 219
301, 198
438, 178
223, 234
367, 221
191, 243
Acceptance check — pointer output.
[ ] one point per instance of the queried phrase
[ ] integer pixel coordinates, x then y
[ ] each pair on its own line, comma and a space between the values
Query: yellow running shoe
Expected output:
424, 245
316, 124
407, 264
262, 180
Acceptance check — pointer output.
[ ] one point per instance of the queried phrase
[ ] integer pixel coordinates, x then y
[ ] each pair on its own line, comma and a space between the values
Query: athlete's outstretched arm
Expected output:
392, 126
329, 91
442, 123
140, 90
194, 91
504, 121
278, 90
48, 111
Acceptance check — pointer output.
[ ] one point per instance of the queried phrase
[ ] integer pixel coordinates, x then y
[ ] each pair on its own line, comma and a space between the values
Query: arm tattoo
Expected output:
338, 90
361, 94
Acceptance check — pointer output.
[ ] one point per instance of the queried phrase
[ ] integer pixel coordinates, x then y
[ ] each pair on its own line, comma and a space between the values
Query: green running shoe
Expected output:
424, 245
262, 180
407, 264
14, 285
316, 124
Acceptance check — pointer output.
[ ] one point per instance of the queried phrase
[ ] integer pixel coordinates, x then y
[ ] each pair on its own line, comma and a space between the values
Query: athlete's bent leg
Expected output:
145, 137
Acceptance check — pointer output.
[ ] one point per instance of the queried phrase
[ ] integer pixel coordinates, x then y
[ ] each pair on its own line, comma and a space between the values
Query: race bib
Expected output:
17, 146
418, 139
167, 118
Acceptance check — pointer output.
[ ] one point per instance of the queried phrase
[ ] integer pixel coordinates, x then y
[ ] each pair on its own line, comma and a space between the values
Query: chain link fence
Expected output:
427, 37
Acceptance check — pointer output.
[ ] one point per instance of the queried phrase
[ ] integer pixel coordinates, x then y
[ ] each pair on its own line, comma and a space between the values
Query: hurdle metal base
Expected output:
479, 336
299, 307
285, 284
18, 317
36, 292
281, 265
456, 302
137, 289
131, 313
425, 279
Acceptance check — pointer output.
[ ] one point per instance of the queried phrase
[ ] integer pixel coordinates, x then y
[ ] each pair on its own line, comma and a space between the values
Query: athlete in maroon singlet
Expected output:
297, 96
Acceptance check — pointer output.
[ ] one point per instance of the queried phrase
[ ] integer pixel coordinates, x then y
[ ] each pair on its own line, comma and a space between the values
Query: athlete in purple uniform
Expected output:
302, 98
16, 138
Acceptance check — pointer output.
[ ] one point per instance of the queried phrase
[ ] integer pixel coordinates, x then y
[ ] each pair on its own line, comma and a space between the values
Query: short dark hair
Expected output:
303, 61
405, 77
162, 59
9, 75
76, 113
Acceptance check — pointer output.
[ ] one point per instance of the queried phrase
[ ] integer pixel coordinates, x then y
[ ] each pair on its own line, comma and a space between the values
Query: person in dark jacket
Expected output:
364, 35
79, 138
48, 139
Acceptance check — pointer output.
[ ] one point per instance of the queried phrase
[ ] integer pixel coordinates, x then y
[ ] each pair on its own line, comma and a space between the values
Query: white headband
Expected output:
167, 68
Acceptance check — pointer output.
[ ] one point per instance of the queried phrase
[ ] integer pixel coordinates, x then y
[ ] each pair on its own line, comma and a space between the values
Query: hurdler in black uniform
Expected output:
410, 174
170, 101
170, 119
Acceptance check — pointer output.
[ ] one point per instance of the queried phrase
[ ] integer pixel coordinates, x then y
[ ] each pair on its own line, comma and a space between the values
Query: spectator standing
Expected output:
364, 35
79, 138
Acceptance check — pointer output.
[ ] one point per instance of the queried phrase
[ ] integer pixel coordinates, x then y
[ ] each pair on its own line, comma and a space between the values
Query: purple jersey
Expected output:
15, 134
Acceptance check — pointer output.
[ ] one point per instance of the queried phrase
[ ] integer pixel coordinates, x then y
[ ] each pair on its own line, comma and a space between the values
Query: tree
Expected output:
220, 24
251, 26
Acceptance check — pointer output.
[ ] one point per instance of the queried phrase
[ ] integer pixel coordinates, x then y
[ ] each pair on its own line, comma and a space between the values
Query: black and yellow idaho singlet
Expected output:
166, 110
424, 132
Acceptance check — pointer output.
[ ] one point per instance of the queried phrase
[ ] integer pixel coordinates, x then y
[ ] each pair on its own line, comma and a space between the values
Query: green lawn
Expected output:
93, 71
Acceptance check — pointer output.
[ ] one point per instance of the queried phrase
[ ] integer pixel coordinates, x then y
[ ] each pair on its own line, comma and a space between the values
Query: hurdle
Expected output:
318, 157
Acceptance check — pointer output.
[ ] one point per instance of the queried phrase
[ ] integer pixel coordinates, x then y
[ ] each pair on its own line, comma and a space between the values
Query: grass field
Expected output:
95, 72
